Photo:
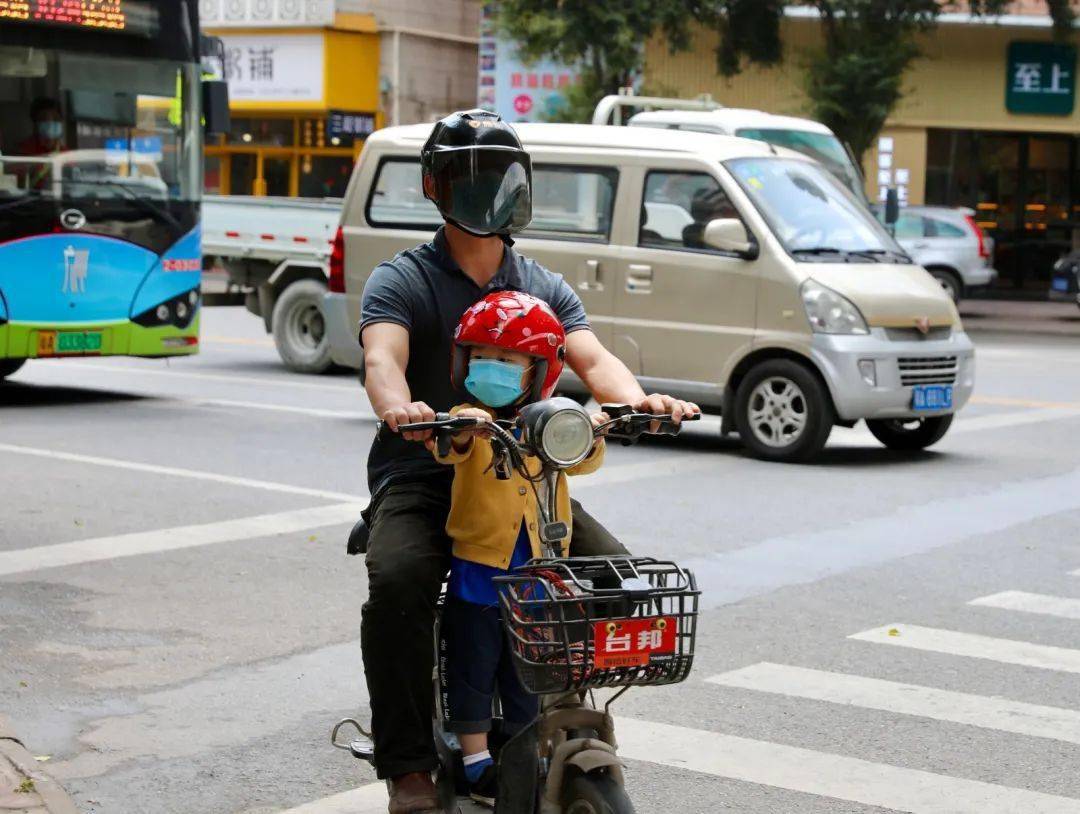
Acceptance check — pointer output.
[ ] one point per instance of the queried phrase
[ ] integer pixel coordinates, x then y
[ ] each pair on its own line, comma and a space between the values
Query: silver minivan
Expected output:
729, 271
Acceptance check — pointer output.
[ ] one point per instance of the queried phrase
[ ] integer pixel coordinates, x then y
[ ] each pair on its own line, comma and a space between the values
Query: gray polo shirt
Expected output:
425, 291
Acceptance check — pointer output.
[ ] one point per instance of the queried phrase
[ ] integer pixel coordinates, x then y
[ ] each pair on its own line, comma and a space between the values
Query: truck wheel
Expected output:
299, 328
909, 434
9, 366
594, 793
783, 412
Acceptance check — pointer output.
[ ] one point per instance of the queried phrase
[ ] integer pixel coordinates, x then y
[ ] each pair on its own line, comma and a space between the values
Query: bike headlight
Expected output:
829, 312
558, 430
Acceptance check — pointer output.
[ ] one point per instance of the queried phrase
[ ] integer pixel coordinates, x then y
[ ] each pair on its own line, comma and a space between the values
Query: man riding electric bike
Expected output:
476, 172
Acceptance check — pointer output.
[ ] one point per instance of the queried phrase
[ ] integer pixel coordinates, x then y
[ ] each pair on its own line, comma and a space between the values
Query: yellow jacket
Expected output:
486, 513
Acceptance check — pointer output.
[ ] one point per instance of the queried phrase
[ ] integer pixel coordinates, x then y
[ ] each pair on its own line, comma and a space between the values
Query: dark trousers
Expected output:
479, 663
408, 558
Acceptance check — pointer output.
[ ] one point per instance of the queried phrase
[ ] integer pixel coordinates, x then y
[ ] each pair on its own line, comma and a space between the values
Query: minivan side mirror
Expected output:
729, 235
215, 99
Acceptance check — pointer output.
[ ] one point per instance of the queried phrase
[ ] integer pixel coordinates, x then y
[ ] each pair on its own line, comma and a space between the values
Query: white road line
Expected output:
173, 539
999, 421
291, 380
907, 699
1064, 607
1075, 573
827, 775
315, 412
954, 643
195, 474
370, 799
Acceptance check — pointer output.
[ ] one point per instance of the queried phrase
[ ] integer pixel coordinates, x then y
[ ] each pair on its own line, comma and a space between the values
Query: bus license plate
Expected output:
932, 397
632, 642
55, 343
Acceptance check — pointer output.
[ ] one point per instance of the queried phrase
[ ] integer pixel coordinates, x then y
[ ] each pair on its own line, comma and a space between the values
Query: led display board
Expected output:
123, 16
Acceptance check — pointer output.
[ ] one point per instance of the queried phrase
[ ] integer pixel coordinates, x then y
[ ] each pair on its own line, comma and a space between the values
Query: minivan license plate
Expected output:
932, 397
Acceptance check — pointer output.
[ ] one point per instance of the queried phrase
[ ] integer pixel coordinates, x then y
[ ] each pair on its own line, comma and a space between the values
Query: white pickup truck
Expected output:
276, 252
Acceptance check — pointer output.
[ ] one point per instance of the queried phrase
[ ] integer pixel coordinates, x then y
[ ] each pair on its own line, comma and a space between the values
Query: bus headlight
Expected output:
559, 430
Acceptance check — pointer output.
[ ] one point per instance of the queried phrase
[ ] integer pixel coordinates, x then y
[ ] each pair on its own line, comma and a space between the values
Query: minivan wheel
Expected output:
949, 282
783, 412
909, 434
300, 329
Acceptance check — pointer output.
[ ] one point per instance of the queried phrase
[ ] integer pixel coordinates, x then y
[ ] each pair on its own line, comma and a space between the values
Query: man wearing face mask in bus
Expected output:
476, 172
47, 139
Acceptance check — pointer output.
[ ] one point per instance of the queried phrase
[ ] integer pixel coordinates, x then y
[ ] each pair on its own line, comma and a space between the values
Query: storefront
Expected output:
988, 121
302, 100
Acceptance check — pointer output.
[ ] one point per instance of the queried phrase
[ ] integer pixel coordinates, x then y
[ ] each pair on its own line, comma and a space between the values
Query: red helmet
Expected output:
514, 321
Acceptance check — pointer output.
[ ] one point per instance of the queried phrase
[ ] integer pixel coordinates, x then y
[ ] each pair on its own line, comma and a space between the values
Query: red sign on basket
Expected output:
632, 642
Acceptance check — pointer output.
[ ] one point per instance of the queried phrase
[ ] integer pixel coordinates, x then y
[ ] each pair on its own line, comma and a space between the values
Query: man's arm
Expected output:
386, 354
609, 380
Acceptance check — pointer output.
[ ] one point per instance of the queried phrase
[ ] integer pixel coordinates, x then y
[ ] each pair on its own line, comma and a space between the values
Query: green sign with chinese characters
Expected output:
1041, 78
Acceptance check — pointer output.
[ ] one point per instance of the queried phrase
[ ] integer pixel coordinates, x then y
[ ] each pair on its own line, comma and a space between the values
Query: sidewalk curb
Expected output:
16, 766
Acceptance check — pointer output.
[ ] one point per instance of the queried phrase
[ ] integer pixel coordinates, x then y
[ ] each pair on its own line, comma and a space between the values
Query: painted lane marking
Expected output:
795, 559
316, 412
1003, 420
1075, 573
972, 645
825, 774
1001, 714
173, 539
1006, 401
173, 471
1064, 607
236, 340
370, 799
284, 381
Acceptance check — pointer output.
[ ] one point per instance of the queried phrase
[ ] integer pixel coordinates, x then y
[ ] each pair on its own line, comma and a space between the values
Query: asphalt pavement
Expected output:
179, 624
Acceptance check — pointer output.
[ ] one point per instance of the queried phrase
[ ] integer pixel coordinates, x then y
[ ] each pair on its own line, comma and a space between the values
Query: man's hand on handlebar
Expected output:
412, 413
658, 404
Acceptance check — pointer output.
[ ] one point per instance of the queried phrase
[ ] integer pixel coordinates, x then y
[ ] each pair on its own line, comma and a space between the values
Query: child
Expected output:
508, 352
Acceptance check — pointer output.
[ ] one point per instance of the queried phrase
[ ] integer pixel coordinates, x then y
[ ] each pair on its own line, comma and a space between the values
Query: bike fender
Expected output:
589, 760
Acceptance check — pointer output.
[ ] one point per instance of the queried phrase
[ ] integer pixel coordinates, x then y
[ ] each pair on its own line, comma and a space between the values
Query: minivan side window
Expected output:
568, 201
677, 206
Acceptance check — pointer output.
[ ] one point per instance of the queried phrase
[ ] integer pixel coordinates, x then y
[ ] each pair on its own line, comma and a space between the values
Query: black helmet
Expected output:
481, 175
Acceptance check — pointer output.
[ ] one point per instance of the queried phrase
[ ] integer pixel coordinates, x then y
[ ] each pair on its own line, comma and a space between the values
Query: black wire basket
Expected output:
587, 622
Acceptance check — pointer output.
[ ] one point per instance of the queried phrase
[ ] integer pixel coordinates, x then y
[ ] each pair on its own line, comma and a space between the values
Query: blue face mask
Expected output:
495, 383
50, 129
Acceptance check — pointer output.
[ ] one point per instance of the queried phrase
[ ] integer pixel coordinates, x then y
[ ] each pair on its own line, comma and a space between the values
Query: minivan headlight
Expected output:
829, 312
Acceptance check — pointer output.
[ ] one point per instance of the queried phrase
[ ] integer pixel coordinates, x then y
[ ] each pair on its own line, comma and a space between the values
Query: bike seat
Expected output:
358, 538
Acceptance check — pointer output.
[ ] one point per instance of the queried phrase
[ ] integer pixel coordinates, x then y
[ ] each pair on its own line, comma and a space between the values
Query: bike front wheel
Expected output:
594, 794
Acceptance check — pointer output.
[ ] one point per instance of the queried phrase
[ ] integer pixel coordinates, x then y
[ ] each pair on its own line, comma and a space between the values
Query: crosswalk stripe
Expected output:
1064, 607
954, 643
1075, 573
907, 699
825, 774
172, 539
369, 799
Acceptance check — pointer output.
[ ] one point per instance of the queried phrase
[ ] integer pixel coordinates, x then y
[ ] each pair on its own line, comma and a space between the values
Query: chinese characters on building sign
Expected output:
354, 125
1041, 78
274, 67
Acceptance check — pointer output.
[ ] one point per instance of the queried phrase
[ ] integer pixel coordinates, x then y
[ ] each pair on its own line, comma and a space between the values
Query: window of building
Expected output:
676, 208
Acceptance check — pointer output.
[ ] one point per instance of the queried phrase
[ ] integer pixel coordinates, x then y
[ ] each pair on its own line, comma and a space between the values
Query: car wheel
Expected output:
300, 329
949, 282
9, 366
783, 412
909, 434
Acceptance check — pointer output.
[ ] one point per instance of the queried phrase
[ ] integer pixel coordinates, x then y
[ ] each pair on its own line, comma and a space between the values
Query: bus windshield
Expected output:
115, 138
823, 147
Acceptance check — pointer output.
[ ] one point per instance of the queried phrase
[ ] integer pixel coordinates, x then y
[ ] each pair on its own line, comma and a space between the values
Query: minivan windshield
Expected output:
823, 147
815, 217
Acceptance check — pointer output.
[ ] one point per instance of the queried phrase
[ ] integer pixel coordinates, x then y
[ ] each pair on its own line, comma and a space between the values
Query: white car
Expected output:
950, 245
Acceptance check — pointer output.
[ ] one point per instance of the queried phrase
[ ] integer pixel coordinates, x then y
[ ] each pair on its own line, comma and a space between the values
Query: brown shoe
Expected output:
414, 793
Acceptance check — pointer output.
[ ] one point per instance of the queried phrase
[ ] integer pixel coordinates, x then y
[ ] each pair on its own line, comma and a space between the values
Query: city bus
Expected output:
102, 112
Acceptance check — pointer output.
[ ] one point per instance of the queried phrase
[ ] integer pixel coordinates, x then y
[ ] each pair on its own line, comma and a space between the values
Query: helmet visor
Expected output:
485, 189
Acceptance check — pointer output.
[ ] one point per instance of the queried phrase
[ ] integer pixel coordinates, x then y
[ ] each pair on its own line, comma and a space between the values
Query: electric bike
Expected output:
575, 624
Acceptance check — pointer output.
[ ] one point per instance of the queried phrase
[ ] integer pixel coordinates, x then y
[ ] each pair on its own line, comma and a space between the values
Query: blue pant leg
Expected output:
473, 640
